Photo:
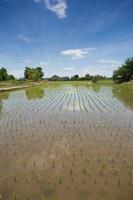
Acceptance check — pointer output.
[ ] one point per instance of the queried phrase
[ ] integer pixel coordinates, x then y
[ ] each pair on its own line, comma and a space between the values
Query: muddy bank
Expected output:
17, 87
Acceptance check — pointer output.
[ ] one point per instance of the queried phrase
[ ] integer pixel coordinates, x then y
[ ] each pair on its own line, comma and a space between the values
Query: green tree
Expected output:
11, 77
41, 74
3, 74
95, 79
88, 77
75, 77
34, 74
125, 72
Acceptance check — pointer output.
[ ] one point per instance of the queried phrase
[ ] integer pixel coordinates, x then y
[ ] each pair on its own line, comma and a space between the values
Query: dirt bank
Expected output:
18, 87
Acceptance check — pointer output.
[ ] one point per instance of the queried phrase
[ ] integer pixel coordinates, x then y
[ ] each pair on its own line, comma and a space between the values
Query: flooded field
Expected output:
67, 142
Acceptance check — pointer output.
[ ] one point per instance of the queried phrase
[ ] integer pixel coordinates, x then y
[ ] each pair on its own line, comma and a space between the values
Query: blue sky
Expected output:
65, 37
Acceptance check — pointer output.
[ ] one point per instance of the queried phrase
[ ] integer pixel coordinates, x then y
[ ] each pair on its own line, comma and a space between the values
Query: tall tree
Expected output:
75, 77
125, 72
3, 74
88, 77
34, 74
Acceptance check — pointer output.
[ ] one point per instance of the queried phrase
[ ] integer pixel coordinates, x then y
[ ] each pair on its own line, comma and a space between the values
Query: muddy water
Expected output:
69, 142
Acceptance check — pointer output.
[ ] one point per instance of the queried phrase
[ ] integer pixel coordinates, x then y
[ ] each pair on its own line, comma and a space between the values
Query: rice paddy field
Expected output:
67, 141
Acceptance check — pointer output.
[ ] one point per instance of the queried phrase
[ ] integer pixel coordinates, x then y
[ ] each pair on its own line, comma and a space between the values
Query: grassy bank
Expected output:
13, 85
17, 84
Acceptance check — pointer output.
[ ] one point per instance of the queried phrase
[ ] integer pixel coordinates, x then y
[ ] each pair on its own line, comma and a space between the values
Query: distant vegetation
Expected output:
125, 72
76, 77
4, 76
122, 74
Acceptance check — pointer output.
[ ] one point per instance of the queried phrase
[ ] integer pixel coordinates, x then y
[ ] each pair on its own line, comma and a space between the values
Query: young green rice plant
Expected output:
103, 166
15, 179
27, 180
119, 182
48, 180
43, 164
0, 196
106, 182
43, 198
75, 187
15, 196
130, 183
63, 165
28, 198
101, 173
34, 164
95, 181
60, 180
71, 172
73, 164
84, 170
53, 164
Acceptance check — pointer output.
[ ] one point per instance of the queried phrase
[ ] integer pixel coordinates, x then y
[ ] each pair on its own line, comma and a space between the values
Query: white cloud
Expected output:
23, 38
77, 53
44, 64
69, 68
104, 61
59, 7
37, 1
27, 61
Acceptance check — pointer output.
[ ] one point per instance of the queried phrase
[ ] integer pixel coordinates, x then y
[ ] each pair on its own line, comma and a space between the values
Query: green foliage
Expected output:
34, 93
75, 77
124, 93
125, 72
34, 74
95, 79
0, 196
3, 74
88, 77
11, 77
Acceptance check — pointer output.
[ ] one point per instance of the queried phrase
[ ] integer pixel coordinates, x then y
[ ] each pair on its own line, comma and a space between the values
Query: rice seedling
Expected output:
70, 140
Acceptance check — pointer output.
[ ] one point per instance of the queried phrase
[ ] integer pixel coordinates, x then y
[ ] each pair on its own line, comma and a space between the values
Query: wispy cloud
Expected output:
77, 53
27, 61
16, 72
59, 7
108, 61
23, 38
37, 1
43, 64
101, 70
69, 68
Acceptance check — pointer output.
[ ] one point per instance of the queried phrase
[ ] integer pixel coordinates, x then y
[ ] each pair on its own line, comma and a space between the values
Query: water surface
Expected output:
67, 141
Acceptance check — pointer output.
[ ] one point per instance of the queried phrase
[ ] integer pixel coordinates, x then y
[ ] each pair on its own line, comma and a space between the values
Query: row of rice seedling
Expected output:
75, 143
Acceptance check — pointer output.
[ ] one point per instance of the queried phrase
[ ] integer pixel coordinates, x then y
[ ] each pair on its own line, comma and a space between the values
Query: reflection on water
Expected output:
96, 87
3, 96
124, 93
34, 93
72, 142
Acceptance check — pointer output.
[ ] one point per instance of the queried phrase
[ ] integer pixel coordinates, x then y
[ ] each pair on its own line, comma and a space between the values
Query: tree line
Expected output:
76, 77
4, 76
33, 74
124, 73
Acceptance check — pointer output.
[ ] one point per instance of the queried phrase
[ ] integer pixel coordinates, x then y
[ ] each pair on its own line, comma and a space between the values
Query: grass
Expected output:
50, 83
